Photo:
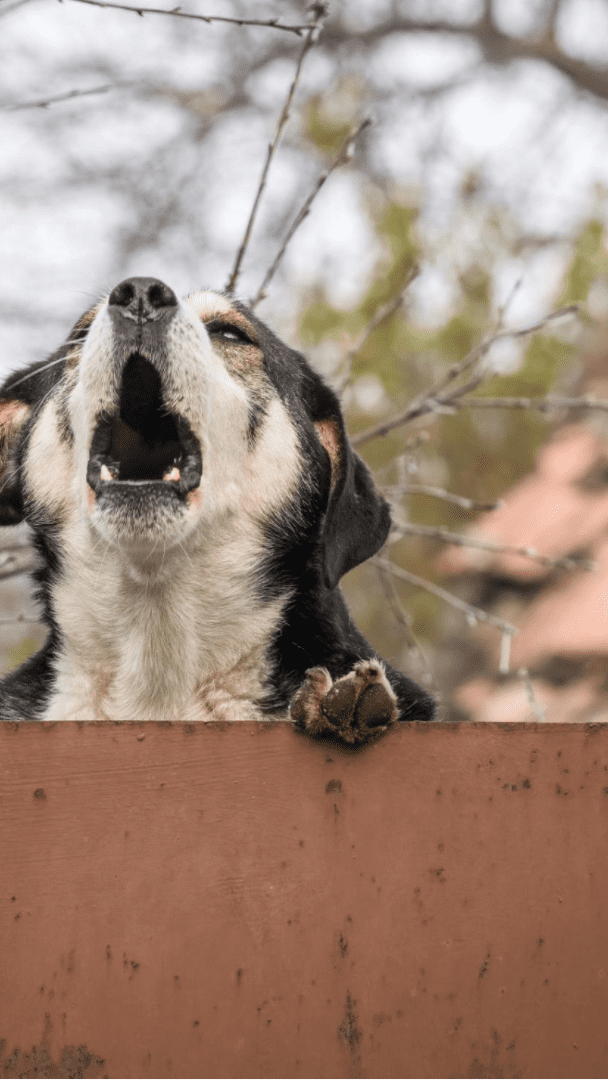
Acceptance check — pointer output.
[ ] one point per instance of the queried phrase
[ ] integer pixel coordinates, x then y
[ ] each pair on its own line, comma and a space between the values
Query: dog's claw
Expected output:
354, 709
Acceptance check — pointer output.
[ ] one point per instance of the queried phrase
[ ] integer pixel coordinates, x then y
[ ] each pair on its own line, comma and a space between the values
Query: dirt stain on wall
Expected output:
74, 1061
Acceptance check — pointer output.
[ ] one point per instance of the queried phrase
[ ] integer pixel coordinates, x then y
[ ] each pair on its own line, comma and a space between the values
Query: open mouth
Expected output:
144, 443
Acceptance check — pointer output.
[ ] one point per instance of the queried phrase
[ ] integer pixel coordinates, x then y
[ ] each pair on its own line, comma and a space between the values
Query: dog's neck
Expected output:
181, 637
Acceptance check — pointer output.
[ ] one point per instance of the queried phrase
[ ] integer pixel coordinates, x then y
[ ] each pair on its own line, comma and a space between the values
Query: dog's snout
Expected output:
142, 298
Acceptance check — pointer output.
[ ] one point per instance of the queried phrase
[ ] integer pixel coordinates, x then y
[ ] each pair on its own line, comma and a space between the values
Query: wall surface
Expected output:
238, 901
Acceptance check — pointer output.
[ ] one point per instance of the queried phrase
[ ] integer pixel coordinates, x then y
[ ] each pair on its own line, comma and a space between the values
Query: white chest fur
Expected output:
184, 641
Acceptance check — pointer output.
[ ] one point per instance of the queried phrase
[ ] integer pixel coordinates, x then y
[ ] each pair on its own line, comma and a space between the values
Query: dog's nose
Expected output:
142, 298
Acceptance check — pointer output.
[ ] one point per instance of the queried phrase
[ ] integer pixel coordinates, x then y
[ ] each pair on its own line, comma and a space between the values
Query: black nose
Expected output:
142, 298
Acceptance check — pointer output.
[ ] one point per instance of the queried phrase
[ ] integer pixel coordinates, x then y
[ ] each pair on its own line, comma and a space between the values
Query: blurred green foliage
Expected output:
475, 453
328, 118
589, 261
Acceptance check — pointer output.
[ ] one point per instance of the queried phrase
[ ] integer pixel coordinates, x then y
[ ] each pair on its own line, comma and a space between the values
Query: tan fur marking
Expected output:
88, 317
13, 415
72, 358
330, 441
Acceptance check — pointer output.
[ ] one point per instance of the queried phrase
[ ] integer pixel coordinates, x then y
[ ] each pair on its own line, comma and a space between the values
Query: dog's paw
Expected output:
354, 709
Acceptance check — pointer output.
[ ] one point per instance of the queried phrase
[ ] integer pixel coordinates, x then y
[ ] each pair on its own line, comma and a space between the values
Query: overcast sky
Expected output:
77, 177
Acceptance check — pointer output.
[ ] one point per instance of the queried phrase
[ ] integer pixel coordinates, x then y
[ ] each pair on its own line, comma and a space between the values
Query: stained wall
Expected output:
238, 901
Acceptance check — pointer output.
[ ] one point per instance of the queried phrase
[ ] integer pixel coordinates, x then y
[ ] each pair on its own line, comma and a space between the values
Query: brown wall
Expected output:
237, 901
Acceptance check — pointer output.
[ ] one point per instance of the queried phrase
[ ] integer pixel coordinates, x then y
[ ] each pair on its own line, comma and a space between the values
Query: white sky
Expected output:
542, 152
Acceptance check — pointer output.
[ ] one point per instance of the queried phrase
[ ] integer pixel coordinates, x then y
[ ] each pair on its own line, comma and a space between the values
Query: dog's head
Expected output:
161, 419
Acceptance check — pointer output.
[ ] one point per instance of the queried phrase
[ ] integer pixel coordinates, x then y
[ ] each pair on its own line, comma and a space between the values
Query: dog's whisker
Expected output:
10, 385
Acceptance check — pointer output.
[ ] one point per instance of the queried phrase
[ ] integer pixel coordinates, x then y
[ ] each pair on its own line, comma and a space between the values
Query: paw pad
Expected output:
354, 709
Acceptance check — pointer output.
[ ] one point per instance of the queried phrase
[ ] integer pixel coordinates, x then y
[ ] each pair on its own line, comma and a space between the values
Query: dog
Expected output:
194, 502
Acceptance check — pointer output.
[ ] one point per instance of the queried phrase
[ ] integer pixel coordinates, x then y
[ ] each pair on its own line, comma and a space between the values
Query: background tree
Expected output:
471, 207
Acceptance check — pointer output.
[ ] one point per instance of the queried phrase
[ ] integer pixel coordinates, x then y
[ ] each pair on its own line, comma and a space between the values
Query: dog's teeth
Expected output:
105, 473
173, 474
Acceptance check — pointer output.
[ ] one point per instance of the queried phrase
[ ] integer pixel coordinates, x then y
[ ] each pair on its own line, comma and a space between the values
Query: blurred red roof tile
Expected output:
484, 701
570, 619
546, 511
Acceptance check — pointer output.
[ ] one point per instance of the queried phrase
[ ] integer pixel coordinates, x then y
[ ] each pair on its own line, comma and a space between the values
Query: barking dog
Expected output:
194, 503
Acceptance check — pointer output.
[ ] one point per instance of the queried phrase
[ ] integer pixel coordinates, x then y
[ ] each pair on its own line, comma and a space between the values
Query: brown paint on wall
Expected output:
186, 902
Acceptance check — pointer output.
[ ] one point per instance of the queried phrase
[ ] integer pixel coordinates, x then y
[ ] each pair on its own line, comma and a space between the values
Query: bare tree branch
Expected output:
343, 156
311, 36
439, 533
544, 404
398, 490
497, 48
54, 100
473, 614
434, 400
504, 662
404, 620
176, 13
382, 314
524, 675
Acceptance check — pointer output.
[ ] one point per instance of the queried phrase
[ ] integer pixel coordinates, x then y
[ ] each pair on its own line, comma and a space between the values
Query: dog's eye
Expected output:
227, 332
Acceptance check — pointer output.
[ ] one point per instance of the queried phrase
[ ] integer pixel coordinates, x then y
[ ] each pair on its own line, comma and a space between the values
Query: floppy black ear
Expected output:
358, 519
13, 415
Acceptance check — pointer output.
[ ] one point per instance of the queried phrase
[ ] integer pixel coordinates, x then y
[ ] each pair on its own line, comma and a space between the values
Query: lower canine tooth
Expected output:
174, 474
105, 473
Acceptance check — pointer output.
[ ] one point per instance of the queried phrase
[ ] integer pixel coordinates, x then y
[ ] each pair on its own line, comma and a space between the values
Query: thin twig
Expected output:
274, 24
405, 622
504, 307
435, 400
505, 654
381, 315
437, 532
413, 442
439, 493
54, 100
473, 614
310, 39
524, 675
384, 312
343, 156
405, 463
546, 404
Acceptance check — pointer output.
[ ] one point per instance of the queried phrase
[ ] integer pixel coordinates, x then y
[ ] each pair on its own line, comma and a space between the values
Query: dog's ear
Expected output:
357, 519
13, 414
